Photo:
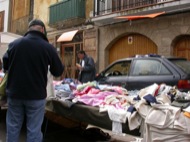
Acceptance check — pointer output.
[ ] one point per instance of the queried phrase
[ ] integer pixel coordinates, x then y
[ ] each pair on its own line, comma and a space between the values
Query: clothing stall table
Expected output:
153, 112
85, 114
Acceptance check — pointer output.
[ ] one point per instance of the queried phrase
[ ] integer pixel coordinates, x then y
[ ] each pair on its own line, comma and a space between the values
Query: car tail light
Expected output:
183, 84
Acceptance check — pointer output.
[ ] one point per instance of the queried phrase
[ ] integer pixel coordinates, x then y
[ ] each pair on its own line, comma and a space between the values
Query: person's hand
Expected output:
79, 66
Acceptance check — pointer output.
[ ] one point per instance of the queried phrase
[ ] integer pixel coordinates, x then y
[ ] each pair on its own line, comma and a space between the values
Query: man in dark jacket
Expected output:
87, 70
27, 61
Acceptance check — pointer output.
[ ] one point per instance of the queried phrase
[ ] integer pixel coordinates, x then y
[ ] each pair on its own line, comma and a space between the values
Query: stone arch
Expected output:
130, 44
181, 46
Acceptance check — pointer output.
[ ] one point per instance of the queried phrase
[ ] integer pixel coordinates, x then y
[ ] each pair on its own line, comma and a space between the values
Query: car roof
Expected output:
151, 56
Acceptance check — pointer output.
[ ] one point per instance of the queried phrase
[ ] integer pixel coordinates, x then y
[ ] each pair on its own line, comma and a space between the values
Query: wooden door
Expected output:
131, 45
69, 59
2, 13
182, 47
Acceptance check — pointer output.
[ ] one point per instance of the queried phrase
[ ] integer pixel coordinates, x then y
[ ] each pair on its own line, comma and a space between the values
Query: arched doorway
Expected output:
131, 45
181, 46
69, 55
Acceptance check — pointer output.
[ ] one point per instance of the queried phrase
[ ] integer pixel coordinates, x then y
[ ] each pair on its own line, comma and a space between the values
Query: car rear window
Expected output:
182, 64
149, 67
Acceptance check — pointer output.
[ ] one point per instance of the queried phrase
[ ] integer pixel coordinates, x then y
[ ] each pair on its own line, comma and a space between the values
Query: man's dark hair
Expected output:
39, 23
36, 22
81, 52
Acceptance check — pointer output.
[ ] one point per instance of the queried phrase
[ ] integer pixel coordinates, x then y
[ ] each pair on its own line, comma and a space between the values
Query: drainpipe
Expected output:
10, 17
94, 8
98, 7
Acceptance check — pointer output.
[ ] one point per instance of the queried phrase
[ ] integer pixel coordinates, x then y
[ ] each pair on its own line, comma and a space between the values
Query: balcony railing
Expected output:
111, 6
65, 10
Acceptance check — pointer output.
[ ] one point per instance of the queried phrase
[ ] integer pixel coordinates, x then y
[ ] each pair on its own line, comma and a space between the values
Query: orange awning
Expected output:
140, 16
67, 36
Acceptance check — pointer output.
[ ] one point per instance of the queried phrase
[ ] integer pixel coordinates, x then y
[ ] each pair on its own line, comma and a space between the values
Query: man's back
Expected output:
28, 61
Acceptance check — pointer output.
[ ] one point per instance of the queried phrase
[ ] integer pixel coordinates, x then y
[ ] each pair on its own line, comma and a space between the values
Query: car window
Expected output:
182, 64
118, 69
149, 67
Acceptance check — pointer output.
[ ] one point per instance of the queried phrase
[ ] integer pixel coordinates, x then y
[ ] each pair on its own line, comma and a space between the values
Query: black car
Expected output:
138, 72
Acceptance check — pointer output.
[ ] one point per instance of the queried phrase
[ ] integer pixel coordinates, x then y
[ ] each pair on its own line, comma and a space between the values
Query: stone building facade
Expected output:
167, 34
164, 31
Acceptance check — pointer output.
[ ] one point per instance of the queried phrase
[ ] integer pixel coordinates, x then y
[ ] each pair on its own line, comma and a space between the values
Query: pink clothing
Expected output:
94, 99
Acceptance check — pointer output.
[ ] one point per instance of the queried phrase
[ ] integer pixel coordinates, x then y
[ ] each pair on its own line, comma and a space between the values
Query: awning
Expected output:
7, 37
67, 36
153, 15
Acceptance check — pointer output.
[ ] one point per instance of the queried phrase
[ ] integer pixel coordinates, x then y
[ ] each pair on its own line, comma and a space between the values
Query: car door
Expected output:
116, 73
147, 71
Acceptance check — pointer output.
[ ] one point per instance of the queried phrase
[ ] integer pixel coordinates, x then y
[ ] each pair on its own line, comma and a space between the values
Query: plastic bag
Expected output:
3, 97
3, 86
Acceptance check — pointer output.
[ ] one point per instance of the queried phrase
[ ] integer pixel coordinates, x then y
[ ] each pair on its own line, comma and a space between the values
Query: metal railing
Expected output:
66, 9
110, 6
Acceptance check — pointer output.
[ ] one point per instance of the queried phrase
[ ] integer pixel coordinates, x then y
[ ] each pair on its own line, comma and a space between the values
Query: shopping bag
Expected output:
3, 86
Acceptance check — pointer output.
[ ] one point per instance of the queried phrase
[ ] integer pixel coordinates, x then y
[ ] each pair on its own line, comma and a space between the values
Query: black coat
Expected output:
27, 61
88, 72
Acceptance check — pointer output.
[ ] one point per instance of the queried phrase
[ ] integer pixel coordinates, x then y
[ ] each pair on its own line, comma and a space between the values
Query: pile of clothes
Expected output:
162, 112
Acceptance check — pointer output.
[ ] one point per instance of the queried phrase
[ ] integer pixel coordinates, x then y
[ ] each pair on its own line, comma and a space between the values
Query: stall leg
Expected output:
45, 129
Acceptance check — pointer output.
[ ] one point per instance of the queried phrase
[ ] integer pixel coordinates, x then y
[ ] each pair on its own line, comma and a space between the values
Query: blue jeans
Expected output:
17, 110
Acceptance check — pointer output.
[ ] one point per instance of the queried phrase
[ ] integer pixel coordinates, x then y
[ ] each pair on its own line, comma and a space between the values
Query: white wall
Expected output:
5, 39
4, 6
3, 47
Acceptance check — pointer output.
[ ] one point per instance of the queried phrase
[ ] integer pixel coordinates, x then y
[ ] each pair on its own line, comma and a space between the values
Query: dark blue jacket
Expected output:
27, 61
88, 72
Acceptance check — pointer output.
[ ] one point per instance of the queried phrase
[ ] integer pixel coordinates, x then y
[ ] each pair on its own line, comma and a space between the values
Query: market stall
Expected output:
151, 112
65, 104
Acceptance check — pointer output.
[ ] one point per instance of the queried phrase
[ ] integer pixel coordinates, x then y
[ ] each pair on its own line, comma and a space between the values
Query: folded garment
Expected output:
131, 109
180, 104
187, 109
117, 115
150, 99
162, 116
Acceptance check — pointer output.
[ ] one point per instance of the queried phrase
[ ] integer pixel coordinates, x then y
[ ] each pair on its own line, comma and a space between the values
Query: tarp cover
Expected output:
84, 113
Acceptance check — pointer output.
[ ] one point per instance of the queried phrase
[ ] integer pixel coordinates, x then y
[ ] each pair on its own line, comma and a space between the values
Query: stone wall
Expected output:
161, 30
41, 10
